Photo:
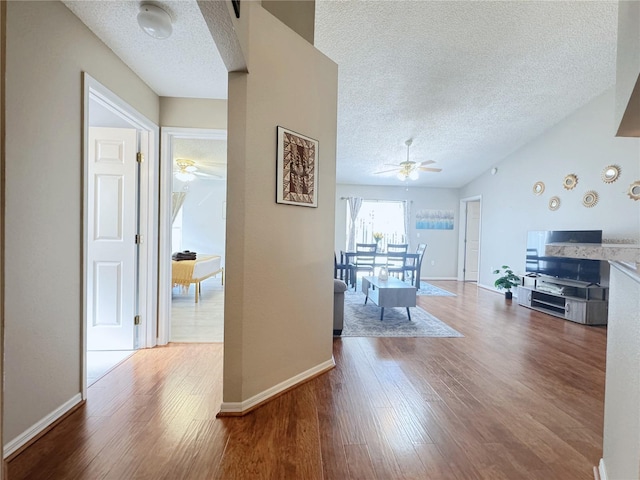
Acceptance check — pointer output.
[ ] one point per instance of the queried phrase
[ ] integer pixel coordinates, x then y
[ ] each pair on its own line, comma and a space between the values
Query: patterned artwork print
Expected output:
434, 220
299, 169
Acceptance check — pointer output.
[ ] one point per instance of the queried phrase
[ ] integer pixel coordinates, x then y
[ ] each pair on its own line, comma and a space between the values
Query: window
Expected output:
386, 217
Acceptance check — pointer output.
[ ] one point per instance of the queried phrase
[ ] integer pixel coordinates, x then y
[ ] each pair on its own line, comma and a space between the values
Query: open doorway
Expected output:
193, 221
118, 204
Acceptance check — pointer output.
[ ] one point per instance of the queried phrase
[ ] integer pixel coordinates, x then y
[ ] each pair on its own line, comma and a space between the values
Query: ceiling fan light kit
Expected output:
188, 171
409, 170
185, 176
154, 21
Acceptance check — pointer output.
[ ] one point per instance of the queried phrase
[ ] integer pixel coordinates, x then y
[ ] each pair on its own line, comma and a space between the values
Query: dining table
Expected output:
380, 259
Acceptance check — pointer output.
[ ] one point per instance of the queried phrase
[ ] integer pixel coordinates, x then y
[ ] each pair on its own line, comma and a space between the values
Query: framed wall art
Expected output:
434, 219
297, 164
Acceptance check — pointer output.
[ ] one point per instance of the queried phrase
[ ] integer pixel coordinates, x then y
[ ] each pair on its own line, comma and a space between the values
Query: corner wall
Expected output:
279, 294
583, 144
48, 48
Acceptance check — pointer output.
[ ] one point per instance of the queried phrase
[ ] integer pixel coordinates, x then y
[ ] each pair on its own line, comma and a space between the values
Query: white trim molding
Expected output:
235, 408
602, 470
39, 427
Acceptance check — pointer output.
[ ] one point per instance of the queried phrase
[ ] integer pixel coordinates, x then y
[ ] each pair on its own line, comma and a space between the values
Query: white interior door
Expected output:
472, 242
111, 248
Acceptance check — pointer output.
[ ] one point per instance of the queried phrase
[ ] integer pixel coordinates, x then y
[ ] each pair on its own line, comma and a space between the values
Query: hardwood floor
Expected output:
519, 397
202, 321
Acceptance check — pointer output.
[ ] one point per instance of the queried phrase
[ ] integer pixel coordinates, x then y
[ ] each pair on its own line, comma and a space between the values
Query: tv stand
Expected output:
578, 302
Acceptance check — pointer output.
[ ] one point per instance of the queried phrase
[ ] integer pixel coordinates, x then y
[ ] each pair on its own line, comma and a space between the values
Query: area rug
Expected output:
362, 320
428, 289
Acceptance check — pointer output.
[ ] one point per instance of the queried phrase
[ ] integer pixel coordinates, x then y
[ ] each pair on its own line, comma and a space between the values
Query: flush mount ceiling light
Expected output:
154, 21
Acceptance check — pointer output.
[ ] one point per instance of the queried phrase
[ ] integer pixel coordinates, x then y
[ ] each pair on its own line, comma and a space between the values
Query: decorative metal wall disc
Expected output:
611, 173
590, 199
554, 203
570, 181
634, 190
538, 188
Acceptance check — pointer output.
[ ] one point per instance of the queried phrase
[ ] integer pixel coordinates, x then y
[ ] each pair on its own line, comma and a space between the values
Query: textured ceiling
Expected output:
210, 156
469, 81
187, 64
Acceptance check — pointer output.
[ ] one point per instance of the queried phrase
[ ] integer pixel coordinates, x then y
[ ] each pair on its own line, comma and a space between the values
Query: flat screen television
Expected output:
582, 270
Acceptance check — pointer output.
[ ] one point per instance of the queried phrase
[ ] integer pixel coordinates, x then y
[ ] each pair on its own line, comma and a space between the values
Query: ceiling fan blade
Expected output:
425, 169
387, 171
202, 174
426, 162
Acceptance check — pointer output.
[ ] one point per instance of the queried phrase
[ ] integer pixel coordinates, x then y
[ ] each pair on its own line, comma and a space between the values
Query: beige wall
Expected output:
279, 294
48, 48
193, 113
297, 15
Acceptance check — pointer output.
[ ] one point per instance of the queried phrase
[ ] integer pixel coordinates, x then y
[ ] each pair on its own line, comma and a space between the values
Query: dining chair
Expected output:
346, 271
414, 264
396, 258
365, 259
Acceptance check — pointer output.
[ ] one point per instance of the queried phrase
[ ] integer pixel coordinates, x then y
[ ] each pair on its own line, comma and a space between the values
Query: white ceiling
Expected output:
469, 81
187, 64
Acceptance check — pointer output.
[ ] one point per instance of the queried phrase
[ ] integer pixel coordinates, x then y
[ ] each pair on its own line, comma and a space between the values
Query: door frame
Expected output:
462, 234
145, 336
168, 136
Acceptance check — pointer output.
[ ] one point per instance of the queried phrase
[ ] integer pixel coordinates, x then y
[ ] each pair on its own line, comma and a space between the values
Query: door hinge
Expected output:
136, 320
139, 157
139, 239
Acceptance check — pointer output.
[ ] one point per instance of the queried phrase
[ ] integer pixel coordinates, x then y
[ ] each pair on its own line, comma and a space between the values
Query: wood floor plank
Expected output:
520, 396
360, 466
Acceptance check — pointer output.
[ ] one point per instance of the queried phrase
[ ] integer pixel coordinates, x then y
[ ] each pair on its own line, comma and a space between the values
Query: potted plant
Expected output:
507, 281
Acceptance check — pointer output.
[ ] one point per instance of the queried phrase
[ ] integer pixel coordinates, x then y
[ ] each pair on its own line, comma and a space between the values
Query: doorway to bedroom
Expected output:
118, 267
195, 169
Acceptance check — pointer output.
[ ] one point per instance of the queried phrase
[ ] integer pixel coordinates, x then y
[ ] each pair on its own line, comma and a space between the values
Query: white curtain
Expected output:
354, 207
177, 199
407, 218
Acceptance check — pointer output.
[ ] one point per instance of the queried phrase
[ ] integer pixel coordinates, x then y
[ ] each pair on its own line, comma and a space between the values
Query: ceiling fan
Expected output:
188, 171
410, 169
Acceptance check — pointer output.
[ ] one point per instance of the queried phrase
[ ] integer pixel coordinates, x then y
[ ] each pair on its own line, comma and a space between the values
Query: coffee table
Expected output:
389, 293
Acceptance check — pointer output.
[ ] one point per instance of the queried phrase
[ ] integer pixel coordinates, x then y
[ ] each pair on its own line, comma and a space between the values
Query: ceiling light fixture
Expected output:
185, 176
186, 166
408, 170
154, 21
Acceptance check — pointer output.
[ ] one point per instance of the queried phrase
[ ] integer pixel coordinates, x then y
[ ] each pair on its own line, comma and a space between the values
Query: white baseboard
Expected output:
240, 407
493, 289
40, 426
426, 279
602, 470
